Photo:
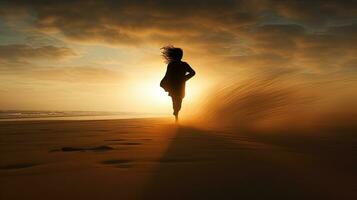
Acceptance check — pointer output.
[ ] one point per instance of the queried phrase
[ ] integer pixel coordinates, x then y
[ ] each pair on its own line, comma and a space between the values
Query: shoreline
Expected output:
83, 118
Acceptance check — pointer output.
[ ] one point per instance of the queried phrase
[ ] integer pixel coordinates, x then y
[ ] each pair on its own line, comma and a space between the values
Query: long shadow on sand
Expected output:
207, 165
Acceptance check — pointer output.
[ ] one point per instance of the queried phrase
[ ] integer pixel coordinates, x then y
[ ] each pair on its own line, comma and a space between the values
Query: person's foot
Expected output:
176, 118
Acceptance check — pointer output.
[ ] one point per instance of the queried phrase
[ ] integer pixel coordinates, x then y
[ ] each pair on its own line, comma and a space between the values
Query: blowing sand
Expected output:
154, 159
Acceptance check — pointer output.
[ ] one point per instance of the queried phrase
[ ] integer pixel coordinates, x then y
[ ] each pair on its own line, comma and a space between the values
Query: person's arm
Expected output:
164, 81
190, 72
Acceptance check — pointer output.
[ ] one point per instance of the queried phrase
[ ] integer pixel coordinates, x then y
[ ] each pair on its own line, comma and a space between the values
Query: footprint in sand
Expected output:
115, 140
129, 143
125, 143
72, 149
146, 139
119, 163
176, 160
17, 166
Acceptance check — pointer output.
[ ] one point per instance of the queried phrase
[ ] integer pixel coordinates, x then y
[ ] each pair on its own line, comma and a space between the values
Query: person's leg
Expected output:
176, 104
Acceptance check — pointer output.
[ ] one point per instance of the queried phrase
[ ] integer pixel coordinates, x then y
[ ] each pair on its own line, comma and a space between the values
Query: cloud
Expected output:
76, 74
132, 22
317, 12
298, 46
23, 52
89, 74
313, 34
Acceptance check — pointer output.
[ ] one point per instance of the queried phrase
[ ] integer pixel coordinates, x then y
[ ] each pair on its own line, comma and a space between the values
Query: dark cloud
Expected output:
130, 22
23, 52
315, 12
318, 33
302, 47
279, 39
123, 17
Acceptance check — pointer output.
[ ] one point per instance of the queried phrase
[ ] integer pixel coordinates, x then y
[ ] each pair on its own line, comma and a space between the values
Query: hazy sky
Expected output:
105, 55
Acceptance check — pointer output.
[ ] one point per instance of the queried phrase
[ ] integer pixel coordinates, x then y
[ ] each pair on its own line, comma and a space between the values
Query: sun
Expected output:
151, 96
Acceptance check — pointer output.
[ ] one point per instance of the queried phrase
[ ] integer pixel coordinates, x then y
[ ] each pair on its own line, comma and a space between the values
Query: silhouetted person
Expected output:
177, 73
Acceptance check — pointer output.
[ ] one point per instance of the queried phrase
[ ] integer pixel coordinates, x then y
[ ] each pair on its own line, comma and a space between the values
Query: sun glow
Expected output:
154, 99
154, 93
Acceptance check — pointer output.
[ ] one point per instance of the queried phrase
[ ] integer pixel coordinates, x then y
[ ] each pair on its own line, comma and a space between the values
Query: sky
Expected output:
105, 55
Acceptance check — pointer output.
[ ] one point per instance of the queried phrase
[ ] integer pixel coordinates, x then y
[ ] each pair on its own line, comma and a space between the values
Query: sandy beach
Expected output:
154, 159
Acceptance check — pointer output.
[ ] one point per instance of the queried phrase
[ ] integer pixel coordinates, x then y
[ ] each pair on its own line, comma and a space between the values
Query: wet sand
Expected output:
154, 159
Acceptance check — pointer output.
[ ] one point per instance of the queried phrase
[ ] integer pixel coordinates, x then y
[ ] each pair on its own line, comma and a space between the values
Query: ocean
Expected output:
20, 115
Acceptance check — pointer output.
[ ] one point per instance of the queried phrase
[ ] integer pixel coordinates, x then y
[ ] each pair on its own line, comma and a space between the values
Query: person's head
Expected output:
171, 53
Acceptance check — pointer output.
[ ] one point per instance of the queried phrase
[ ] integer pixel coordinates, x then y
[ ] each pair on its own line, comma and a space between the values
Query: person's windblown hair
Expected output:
171, 53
